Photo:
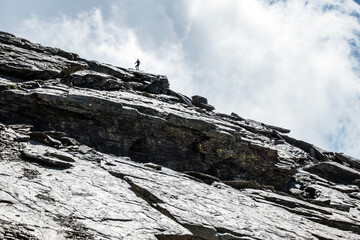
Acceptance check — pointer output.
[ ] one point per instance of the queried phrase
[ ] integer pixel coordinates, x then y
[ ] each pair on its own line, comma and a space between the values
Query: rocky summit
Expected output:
94, 151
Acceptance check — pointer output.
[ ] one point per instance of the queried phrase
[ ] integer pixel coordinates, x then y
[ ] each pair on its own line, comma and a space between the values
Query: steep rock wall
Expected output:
78, 136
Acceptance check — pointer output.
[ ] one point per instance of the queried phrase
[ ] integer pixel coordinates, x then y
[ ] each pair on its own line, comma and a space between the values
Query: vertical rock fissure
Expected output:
154, 202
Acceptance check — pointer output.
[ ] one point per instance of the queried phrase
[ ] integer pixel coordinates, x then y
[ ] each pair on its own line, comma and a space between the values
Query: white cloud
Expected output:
286, 63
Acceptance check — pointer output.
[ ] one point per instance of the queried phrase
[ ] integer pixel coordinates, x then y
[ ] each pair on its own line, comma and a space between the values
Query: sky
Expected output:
289, 63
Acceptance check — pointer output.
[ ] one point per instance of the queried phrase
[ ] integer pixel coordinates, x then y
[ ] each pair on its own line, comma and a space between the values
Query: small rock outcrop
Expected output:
94, 151
201, 102
158, 86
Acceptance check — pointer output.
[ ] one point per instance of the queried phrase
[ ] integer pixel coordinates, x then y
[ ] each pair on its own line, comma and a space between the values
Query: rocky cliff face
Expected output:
94, 151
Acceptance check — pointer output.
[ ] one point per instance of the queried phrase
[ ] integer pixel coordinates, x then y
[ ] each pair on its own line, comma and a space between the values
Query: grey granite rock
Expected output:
94, 151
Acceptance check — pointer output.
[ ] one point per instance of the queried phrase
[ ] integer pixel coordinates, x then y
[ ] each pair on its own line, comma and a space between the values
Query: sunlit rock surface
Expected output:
94, 151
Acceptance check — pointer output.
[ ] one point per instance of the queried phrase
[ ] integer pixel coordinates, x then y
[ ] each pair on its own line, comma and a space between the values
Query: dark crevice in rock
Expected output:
220, 169
321, 237
79, 231
151, 199
209, 179
198, 147
241, 184
117, 174
231, 235
295, 207
116, 220
6, 201
173, 237
153, 166
343, 225
199, 232
293, 204
144, 194
46, 198
309, 192
202, 232
122, 175
147, 149
12, 231
138, 150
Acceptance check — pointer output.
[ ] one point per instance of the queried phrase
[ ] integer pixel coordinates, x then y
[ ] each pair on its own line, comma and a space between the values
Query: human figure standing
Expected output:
137, 64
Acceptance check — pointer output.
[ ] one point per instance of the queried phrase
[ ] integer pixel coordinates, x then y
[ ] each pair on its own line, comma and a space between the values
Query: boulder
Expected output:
236, 116
158, 86
201, 102
182, 98
198, 100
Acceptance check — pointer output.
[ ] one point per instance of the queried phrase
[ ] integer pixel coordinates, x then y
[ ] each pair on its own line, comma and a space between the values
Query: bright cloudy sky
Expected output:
290, 63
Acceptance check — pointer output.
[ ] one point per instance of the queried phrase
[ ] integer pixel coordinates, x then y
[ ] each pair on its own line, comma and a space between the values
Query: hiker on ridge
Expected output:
137, 64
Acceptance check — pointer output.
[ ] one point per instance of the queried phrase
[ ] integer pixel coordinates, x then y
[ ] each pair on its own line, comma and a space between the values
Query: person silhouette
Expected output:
137, 64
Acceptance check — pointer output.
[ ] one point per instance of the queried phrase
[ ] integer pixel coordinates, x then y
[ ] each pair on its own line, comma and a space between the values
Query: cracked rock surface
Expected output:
94, 151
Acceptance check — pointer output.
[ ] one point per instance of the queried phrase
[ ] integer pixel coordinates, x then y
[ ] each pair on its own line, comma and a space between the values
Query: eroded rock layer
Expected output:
94, 151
